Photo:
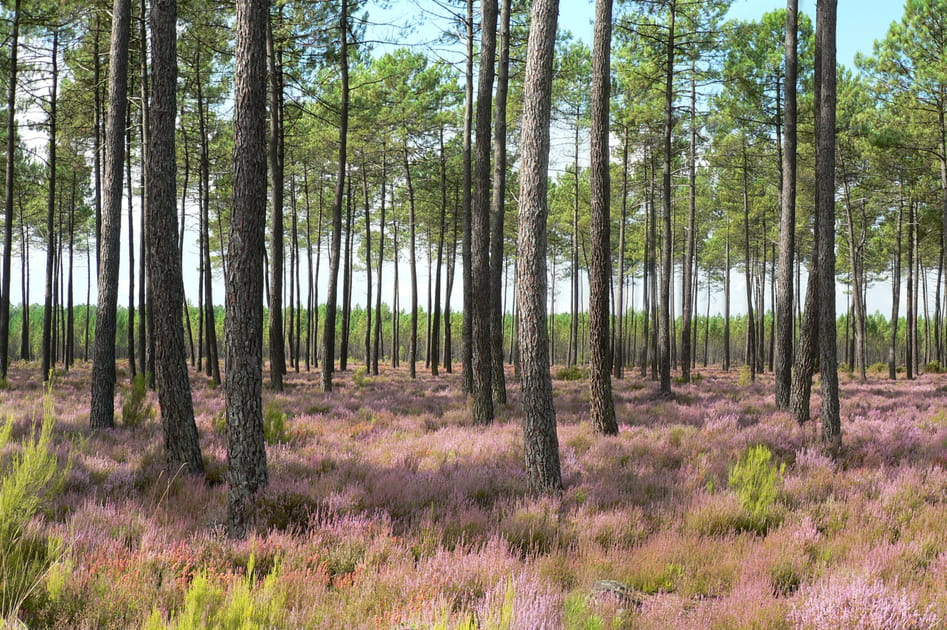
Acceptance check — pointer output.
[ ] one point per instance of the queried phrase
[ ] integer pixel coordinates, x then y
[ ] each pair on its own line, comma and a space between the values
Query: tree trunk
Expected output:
664, 319
825, 206
466, 352
412, 267
275, 83
911, 312
480, 311
49, 358
787, 216
601, 405
132, 367
687, 294
435, 341
750, 320
8, 196
498, 210
145, 357
895, 297
541, 446
101, 411
164, 262
246, 452
328, 337
212, 365
376, 355
726, 303
346, 280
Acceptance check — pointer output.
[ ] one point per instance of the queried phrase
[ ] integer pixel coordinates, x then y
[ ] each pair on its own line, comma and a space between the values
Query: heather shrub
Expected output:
755, 479
855, 603
719, 515
535, 528
241, 606
136, 409
274, 423
30, 478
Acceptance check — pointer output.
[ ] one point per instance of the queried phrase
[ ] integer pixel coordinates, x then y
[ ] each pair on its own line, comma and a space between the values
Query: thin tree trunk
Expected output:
412, 267
275, 83
346, 281
895, 297
482, 398
376, 354
690, 243
132, 367
8, 196
466, 352
750, 320
328, 337
498, 210
664, 319
101, 411
601, 405
49, 345
212, 365
442, 228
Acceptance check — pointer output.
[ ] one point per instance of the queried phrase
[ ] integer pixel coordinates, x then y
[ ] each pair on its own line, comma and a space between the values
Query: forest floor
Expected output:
386, 508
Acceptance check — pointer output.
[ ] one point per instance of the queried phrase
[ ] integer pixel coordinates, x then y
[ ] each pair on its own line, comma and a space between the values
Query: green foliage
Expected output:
219, 422
933, 367
274, 423
755, 478
243, 606
571, 373
30, 478
579, 617
746, 377
360, 377
136, 408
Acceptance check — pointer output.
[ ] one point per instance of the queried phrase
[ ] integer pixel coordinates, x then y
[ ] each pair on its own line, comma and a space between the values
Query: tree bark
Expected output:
101, 410
601, 405
328, 337
8, 197
895, 297
787, 217
276, 346
466, 351
825, 206
480, 311
49, 351
246, 452
664, 318
498, 210
541, 444
164, 262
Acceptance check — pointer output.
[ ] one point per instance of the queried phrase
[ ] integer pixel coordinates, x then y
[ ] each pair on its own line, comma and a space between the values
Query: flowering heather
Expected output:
387, 508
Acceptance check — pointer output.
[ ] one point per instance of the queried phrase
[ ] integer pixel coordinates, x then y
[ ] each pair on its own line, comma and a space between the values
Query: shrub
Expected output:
746, 377
755, 478
219, 422
856, 603
243, 606
360, 377
571, 373
30, 478
274, 423
933, 367
136, 408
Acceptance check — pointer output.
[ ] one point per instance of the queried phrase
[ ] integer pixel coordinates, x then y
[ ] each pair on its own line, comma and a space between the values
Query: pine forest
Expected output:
473, 315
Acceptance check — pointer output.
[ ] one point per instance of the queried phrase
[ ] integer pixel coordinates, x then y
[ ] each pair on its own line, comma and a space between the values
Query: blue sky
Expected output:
860, 22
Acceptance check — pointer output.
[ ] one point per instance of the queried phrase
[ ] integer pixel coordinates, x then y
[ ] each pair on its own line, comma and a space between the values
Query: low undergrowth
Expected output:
387, 508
